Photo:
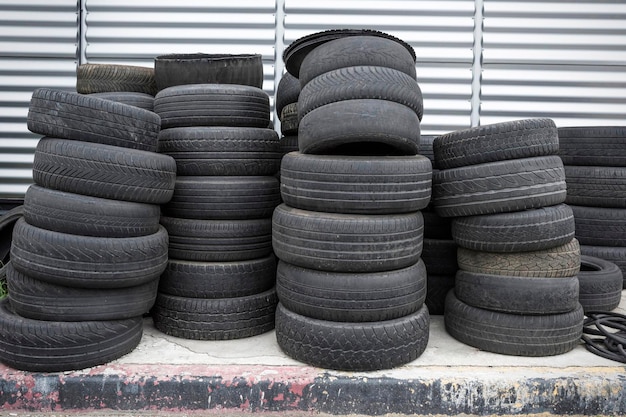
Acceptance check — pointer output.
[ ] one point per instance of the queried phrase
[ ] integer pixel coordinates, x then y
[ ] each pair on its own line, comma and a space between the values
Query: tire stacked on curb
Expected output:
87, 254
287, 94
595, 172
516, 291
220, 279
350, 280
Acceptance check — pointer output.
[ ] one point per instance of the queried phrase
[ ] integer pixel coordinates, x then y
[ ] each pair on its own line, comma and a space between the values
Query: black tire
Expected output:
88, 216
218, 279
347, 242
49, 346
350, 297
499, 187
601, 284
513, 334
597, 145
218, 240
104, 171
614, 254
518, 231
86, 261
426, 148
213, 105
438, 287
222, 150
362, 82
517, 295
7, 224
287, 92
352, 346
101, 78
141, 100
215, 319
598, 226
288, 144
556, 262
435, 226
360, 127
40, 300
224, 198
596, 186
355, 51
497, 142
356, 184
178, 69
68, 115
289, 122
439, 256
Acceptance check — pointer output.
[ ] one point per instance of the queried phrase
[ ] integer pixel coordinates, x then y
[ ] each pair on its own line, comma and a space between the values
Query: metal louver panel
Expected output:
565, 60
37, 49
441, 32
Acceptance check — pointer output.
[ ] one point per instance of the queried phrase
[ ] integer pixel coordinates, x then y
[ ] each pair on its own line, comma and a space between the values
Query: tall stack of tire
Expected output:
348, 236
516, 291
595, 172
88, 252
220, 280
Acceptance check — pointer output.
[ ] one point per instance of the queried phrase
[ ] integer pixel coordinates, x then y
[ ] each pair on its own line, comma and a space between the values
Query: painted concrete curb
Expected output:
436, 390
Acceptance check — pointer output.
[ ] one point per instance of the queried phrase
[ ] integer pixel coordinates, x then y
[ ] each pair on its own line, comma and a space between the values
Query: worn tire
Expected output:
513, 334
104, 171
596, 146
600, 226
7, 224
356, 184
596, 186
215, 319
439, 256
287, 92
141, 100
499, 187
360, 127
615, 254
352, 346
347, 242
103, 78
289, 122
49, 346
289, 144
601, 284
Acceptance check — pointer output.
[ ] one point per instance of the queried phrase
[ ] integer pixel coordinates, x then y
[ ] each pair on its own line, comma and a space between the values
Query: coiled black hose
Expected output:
611, 331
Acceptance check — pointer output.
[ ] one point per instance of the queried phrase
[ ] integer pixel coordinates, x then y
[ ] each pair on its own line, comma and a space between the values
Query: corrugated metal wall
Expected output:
479, 61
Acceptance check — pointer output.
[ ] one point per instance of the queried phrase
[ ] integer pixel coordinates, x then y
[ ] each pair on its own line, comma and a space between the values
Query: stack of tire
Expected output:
87, 254
220, 280
349, 234
595, 172
287, 94
516, 291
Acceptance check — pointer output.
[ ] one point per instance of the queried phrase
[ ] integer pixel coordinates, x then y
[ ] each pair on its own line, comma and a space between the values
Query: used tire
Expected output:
347, 243
615, 254
600, 226
596, 186
68, 115
141, 100
287, 92
289, 122
513, 334
104, 171
101, 78
49, 346
352, 346
597, 145
356, 184
601, 284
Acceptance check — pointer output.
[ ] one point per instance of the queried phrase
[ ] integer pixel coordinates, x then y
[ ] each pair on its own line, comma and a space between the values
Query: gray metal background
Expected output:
479, 61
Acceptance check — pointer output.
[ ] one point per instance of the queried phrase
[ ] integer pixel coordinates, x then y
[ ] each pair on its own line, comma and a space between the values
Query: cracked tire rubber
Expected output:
141, 100
601, 283
87, 261
439, 256
360, 127
362, 82
355, 51
103, 78
496, 142
356, 184
289, 122
218, 279
224, 198
50, 346
596, 186
518, 231
104, 171
560, 261
615, 254
499, 187
88, 216
40, 300
513, 334
215, 319
287, 92
517, 295
212, 105
596, 146
350, 297
352, 346
218, 240
600, 226
68, 115
347, 242
228, 151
